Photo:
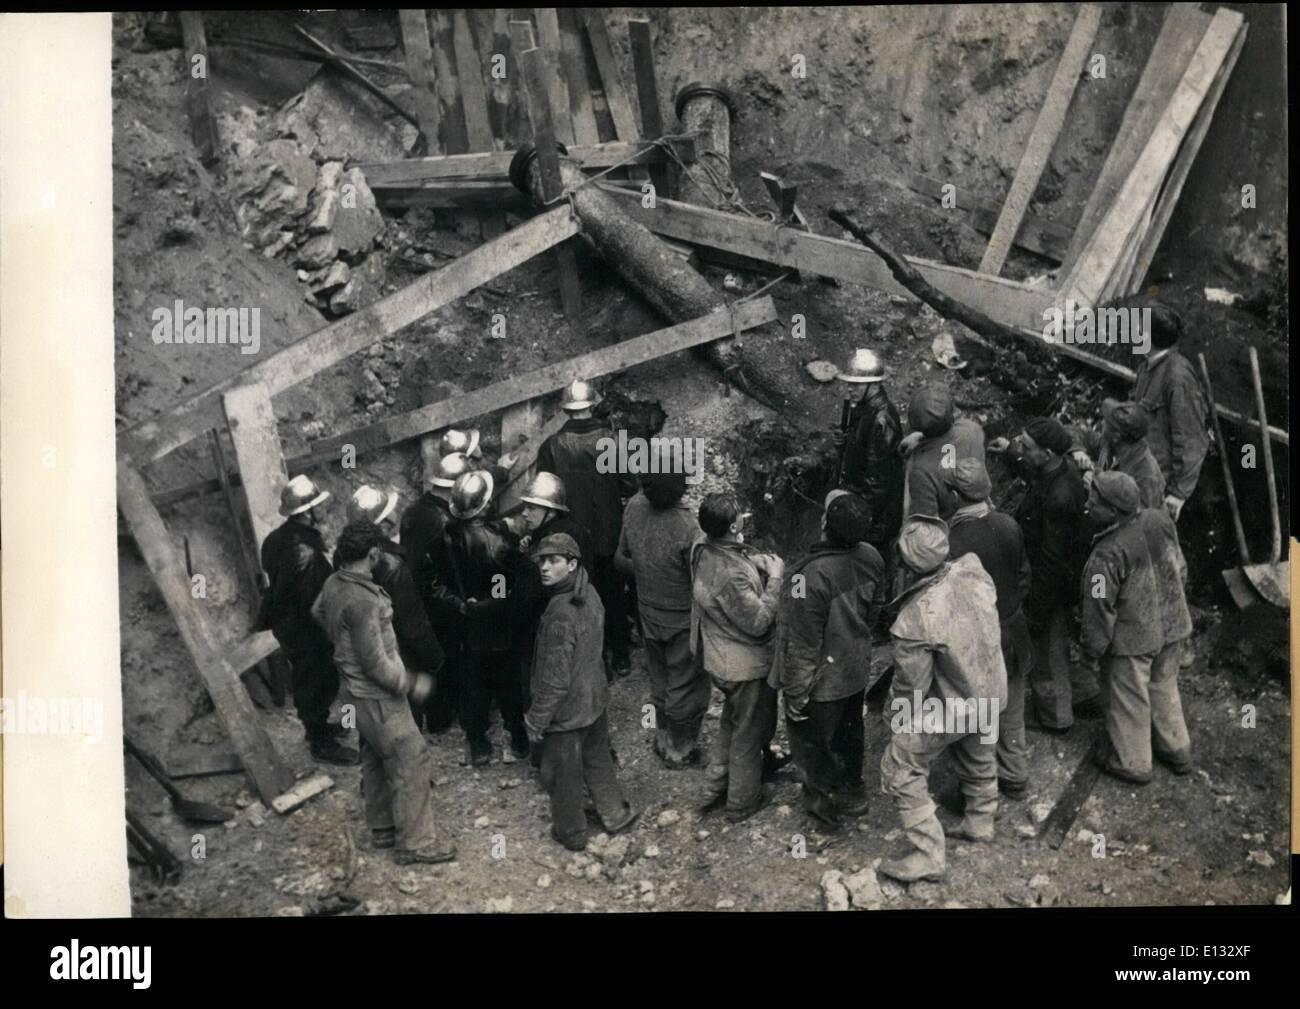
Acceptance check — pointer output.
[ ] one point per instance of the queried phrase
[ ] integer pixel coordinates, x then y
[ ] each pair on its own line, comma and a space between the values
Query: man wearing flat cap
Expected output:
567, 717
947, 654
822, 658
976, 527
1123, 627
1051, 515
944, 440
1122, 445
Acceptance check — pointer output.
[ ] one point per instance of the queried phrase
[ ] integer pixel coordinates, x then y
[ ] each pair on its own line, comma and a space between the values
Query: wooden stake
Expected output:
198, 99
419, 64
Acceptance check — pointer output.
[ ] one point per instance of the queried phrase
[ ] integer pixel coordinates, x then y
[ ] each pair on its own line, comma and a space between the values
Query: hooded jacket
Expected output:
947, 642
1121, 604
358, 617
733, 612
823, 639
928, 491
1171, 395
594, 498
568, 683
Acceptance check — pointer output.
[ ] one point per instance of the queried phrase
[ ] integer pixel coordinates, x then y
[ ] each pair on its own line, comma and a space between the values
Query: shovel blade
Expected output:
1272, 581
1242, 592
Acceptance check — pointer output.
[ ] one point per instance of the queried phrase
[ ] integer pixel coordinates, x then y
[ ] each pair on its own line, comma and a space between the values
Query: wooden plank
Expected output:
1066, 811
495, 166
1182, 30
616, 96
257, 455
499, 87
519, 424
1037, 234
198, 99
554, 87
204, 762
333, 60
574, 62
1089, 275
469, 73
550, 378
1173, 187
270, 775
647, 92
473, 199
1009, 302
189, 418
419, 64
1047, 127
537, 70
455, 135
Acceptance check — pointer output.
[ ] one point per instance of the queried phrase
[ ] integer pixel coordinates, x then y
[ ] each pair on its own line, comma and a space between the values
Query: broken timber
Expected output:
190, 418
1047, 127
419, 63
198, 99
257, 455
270, 775
716, 325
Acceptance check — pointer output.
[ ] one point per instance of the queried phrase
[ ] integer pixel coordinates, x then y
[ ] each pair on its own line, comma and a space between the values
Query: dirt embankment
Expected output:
948, 92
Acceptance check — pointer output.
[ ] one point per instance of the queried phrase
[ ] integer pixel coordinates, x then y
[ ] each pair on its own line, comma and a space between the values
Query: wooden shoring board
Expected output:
1037, 235
573, 60
198, 99
626, 126
1007, 301
190, 418
554, 86
1047, 127
494, 40
519, 424
269, 774
530, 385
537, 69
1099, 255
455, 135
257, 455
473, 93
1182, 30
419, 64
495, 166
1173, 187
647, 92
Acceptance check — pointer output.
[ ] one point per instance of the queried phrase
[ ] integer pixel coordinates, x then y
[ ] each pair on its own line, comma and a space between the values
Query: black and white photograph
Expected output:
695, 459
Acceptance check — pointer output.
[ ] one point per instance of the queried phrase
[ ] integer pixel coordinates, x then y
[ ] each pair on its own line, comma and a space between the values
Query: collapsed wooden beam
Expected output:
716, 325
270, 775
1047, 127
190, 418
494, 166
1008, 301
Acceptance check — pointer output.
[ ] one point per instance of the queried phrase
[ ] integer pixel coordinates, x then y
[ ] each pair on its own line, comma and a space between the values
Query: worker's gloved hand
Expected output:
998, 445
1082, 459
909, 442
796, 713
1174, 506
534, 735
422, 688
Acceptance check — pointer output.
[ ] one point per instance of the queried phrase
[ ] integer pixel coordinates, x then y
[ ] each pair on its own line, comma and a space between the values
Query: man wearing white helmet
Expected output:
596, 500
418, 645
293, 557
468, 443
421, 529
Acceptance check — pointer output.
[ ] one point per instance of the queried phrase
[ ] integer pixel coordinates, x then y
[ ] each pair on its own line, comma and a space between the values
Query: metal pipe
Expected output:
706, 110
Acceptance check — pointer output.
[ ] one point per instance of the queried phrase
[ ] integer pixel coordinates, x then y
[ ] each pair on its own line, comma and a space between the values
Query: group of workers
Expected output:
532, 608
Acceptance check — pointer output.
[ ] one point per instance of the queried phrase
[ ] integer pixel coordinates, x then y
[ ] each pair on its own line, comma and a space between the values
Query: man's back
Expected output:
1170, 569
357, 615
995, 538
928, 491
1120, 600
593, 497
659, 542
1171, 395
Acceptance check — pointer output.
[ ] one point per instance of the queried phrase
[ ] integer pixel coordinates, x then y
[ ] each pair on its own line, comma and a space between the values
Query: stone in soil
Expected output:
835, 894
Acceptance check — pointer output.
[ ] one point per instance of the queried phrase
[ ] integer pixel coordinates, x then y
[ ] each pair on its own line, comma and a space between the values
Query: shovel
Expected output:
1238, 585
1272, 580
186, 809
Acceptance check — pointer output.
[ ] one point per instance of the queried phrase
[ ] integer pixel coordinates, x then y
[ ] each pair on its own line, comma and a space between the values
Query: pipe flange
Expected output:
695, 89
520, 162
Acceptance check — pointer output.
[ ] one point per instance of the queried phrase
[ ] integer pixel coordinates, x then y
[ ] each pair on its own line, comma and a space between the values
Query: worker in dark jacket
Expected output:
654, 549
596, 500
416, 641
422, 527
937, 442
570, 696
976, 527
1121, 445
1122, 625
822, 658
871, 465
1167, 388
1051, 515
477, 566
356, 614
293, 558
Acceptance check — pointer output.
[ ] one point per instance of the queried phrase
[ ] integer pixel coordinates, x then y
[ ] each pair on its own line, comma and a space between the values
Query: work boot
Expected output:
1091, 708
823, 811
384, 837
330, 751
478, 753
573, 843
927, 859
1034, 722
852, 802
1014, 790
773, 762
715, 801
967, 830
519, 745
619, 665
1180, 763
430, 854
1110, 765
765, 794
630, 816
